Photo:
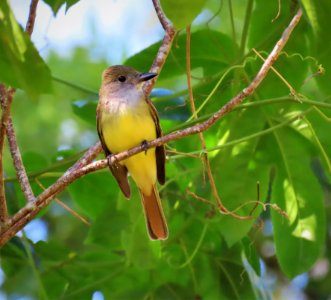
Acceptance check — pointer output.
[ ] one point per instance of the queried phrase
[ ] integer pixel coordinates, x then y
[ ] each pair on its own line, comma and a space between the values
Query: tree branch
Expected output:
18, 162
6, 126
166, 24
32, 17
88, 157
205, 157
235, 101
6, 98
165, 47
22, 217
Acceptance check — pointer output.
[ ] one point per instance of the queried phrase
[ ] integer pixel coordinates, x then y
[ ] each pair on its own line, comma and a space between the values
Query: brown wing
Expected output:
159, 151
119, 172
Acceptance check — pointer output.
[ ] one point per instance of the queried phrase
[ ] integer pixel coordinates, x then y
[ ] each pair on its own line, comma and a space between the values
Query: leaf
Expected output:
182, 13
85, 109
251, 255
94, 192
237, 171
34, 161
263, 35
312, 10
320, 22
231, 272
56, 4
140, 250
107, 229
298, 192
20, 63
15, 265
217, 53
319, 131
169, 107
263, 31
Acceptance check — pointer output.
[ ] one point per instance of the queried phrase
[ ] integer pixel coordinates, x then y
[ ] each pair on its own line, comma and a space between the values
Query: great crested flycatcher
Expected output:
127, 118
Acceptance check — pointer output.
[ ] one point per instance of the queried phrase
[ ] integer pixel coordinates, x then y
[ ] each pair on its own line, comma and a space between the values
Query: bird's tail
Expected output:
155, 220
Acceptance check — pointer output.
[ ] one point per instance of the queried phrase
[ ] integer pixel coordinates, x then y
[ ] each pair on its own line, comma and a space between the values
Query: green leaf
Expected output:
320, 22
298, 192
217, 53
141, 251
321, 129
312, 10
263, 35
231, 269
169, 107
251, 255
56, 4
182, 12
34, 161
21, 65
85, 109
107, 229
265, 29
15, 265
239, 166
94, 192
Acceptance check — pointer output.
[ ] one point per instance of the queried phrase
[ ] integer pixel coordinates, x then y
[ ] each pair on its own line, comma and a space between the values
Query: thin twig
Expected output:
88, 157
248, 14
6, 100
65, 206
292, 90
204, 156
201, 198
18, 163
165, 47
235, 101
195, 116
8, 128
7, 125
166, 24
32, 17
22, 217
278, 11
27, 213
183, 153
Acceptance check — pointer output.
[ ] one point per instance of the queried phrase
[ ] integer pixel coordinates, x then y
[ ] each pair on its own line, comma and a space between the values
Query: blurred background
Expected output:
111, 258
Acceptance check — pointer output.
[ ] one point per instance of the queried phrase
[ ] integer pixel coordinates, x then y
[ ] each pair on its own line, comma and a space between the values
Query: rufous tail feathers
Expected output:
155, 220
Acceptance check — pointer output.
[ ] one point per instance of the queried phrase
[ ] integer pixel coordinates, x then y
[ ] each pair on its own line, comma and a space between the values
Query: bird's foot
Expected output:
144, 144
109, 159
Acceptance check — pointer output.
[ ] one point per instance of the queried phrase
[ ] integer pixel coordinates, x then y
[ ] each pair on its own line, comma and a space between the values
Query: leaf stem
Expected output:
248, 137
249, 9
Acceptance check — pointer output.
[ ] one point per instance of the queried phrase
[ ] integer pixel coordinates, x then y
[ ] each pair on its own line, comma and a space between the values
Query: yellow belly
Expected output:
128, 129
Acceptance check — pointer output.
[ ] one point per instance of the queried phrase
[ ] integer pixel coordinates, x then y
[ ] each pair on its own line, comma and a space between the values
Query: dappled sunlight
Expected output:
290, 202
306, 228
224, 72
239, 148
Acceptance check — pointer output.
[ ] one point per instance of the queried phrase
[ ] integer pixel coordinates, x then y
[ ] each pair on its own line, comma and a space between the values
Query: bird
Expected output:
126, 118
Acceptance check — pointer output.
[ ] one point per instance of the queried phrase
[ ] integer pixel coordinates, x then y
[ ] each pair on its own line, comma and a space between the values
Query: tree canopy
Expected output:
243, 95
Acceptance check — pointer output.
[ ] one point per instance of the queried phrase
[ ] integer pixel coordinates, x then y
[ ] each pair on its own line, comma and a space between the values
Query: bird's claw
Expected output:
144, 144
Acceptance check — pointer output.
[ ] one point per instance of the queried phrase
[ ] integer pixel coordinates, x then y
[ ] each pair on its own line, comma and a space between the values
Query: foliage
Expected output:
279, 138
20, 62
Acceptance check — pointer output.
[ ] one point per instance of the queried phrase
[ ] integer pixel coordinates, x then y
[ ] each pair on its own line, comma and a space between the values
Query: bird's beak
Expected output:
146, 76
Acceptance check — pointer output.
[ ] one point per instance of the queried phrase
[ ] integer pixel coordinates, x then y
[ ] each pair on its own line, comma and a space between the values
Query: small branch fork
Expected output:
85, 166
205, 157
165, 47
7, 128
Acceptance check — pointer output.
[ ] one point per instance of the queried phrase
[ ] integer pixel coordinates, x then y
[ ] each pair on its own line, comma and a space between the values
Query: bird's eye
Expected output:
121, 78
